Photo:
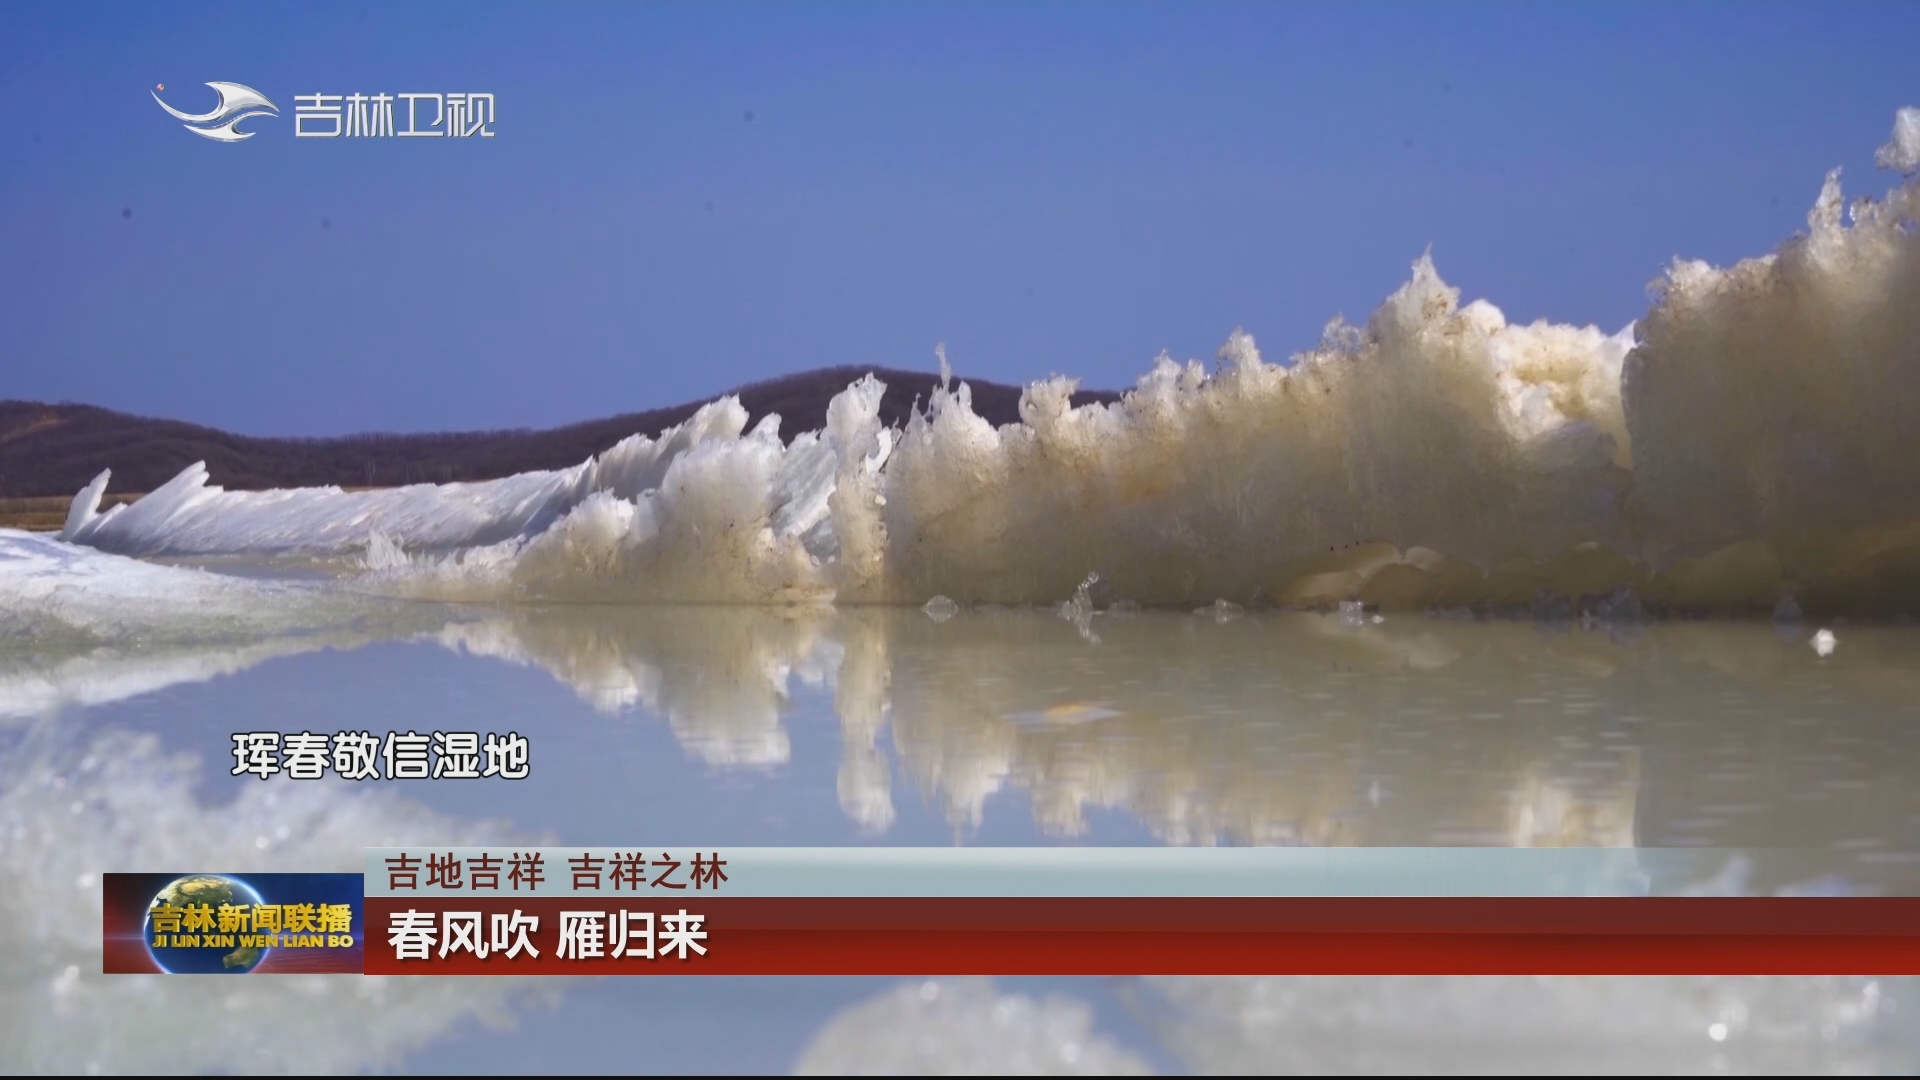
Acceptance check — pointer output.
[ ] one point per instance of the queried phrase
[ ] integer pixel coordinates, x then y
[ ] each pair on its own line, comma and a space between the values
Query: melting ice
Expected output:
1742, 446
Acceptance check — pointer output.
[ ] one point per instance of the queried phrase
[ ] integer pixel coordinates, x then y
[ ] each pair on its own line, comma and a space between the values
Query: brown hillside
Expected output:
56, 449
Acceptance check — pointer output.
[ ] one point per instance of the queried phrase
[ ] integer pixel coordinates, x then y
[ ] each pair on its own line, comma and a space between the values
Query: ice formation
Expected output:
1769, 406
1902, 152
53, 592
1824, 642
1438, 426
1743, 446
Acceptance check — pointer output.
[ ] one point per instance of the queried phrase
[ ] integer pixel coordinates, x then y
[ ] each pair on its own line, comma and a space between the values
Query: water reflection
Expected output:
1296, 729
49, 682
1285, 729
962, 1027
1288, 730
1475, 1026
720, 676
71, 806
1221, 728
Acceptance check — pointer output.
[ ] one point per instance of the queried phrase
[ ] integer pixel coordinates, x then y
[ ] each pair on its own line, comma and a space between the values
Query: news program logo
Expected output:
237, 103
232, 924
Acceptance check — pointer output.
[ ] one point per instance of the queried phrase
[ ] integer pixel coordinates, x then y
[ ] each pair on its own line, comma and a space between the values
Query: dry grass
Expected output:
47, 513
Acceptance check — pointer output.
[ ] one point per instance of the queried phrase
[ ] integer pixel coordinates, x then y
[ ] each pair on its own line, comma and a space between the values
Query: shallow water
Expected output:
732, 726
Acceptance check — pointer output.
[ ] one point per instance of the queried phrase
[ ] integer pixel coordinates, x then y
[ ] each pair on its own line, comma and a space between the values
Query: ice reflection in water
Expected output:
70, 808
1523, 1026
1258, 729
961, 1027
1308, 729
720, 676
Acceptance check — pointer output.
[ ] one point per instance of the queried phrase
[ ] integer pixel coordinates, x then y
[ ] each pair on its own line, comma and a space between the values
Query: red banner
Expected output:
1144, 936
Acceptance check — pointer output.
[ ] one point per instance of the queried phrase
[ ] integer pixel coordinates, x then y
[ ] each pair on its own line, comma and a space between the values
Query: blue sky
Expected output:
1045, 187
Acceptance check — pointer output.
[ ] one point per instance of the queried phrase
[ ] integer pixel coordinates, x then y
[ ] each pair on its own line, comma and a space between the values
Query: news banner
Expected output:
1001, 911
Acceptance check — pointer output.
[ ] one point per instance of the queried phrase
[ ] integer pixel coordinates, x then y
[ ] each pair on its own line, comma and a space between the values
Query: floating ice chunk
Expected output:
962, 1027
1080, 608
1824, 642
1223, 611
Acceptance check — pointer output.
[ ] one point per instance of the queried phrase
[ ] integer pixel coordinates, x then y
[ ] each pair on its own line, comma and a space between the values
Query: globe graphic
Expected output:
212, 891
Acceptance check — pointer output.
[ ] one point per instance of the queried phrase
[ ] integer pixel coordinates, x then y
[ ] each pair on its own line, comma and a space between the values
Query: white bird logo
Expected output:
237, 103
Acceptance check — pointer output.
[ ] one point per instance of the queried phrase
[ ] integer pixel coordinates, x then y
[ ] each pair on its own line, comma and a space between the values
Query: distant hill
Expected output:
56, 449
